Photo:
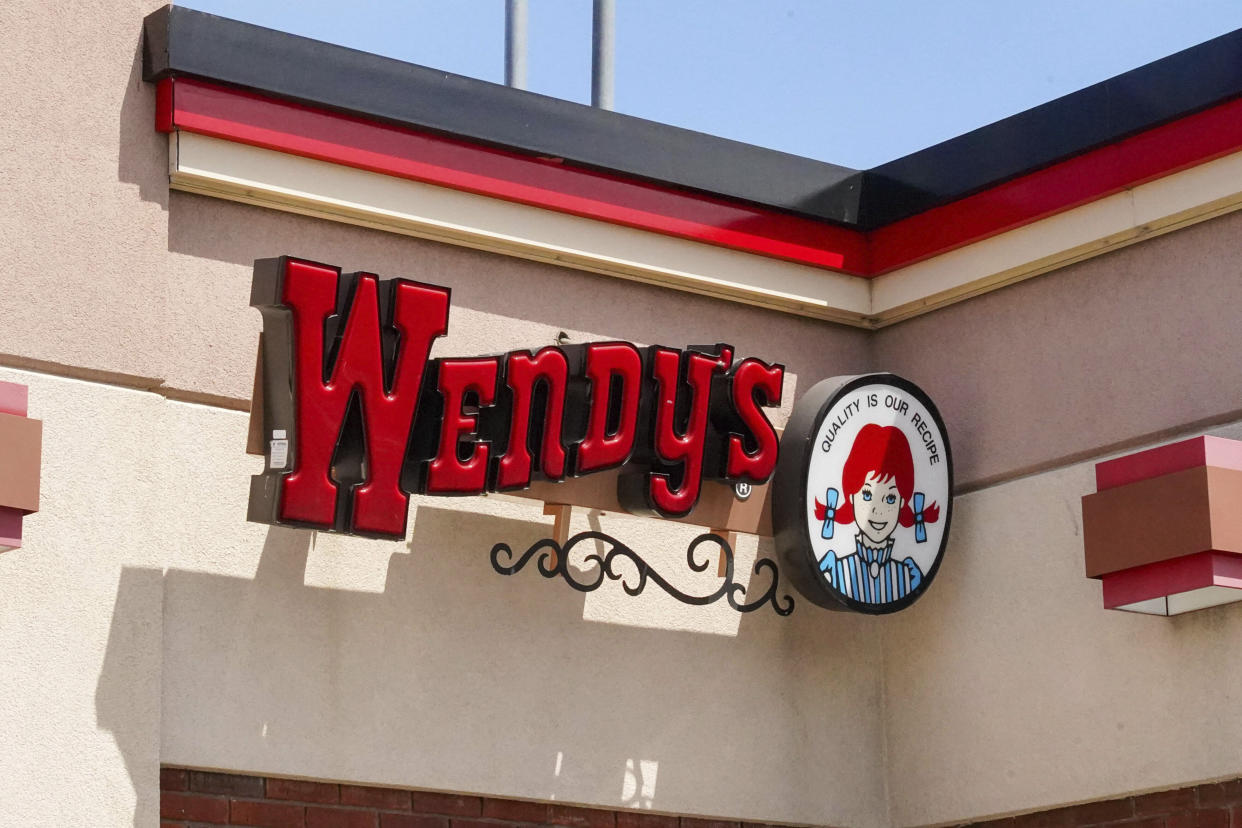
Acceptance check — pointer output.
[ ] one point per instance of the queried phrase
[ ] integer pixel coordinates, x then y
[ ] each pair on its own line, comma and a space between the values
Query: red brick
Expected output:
164, 823
1220, 794
692, 822
582, 817
640, 819
412, 821
1110, 810
1148, 822
1235, 817
317, 817
515, 810
425, 802
174, 779
389, 799
199, 808
1211, 818
299, 790
475, 823
267, 814
1057, 818
228, 784
1089, 813
1165, 802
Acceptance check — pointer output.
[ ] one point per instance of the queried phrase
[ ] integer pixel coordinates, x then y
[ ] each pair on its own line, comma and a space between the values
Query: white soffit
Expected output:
1139, 213
267, 178
238, 172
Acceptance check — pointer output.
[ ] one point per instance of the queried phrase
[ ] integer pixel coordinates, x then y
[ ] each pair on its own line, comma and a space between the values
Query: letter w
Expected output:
417, 314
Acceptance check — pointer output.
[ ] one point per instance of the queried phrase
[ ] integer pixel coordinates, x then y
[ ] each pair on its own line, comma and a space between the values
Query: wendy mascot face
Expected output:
863, 493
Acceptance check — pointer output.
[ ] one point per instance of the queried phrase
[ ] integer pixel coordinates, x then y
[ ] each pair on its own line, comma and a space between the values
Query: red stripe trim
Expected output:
1155, 580
220, 112
1195, 139
1162, 460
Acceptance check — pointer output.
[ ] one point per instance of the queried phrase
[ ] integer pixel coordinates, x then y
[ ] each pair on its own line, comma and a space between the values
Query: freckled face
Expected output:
876, 507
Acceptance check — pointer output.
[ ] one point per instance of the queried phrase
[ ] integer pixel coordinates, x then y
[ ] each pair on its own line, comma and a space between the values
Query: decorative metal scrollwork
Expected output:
554, 561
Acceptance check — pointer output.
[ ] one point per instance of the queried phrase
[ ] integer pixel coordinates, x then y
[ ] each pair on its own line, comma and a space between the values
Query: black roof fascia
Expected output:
1157, 93
181, 41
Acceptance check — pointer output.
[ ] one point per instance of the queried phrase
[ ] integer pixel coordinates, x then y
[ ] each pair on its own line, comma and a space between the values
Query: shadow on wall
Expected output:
143, 158
456, 678
125, 666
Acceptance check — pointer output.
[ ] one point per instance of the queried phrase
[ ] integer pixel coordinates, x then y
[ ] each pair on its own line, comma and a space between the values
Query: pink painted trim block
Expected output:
10, 527
1163, 578
13, 398
1175, 457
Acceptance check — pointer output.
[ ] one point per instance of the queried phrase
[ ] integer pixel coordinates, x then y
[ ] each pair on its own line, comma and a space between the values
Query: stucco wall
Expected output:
145, 621
416, 664
285, 652
80, 619
1114, 351
1020, 692
293, 654
1010, 688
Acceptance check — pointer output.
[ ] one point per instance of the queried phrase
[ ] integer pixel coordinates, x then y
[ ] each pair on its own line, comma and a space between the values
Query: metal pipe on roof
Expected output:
603, 43
515, 43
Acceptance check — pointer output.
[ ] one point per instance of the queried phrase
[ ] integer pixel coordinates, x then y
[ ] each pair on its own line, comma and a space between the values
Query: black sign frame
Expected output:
789, 494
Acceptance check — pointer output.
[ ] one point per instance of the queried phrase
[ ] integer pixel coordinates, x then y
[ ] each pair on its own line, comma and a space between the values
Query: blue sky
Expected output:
854, 83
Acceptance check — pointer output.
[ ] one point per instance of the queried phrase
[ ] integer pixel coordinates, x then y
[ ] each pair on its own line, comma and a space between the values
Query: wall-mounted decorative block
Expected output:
1163, 531
21, 448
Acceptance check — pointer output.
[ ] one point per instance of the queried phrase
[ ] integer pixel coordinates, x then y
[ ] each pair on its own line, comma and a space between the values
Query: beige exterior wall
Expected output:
1113, 352
1008, 688
144, 621
1026, 694
295, 654
147, 622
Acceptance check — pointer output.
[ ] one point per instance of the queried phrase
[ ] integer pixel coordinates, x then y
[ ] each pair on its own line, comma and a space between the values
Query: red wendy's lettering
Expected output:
680, 441
522, 374
450, 472
750, 379
613, 369
326, 378
369, 418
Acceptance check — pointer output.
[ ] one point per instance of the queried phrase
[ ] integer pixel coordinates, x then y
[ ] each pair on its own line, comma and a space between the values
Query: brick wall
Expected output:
1217, 805
190, 799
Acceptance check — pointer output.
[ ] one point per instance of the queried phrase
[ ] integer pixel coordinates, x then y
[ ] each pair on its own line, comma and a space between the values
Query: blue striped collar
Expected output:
871, 554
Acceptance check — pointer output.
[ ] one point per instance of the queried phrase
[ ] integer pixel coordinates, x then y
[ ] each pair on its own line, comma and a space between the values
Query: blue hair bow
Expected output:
920, 528
830, 512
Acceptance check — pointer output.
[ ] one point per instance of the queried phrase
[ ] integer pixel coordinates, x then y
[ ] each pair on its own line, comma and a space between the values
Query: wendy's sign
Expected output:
357, 416
862, 496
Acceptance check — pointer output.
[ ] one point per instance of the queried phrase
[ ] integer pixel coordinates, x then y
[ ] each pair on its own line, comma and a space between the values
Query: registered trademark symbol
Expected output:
742, 489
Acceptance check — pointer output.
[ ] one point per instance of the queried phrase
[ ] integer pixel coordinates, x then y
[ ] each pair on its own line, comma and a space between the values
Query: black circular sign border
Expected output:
789, 523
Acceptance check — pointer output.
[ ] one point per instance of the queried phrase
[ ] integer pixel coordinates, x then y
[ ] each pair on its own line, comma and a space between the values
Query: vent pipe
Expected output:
603, 42
515, 43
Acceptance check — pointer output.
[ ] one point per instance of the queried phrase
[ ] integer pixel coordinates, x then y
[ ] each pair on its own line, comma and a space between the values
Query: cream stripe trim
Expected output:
268, 178
1136, 214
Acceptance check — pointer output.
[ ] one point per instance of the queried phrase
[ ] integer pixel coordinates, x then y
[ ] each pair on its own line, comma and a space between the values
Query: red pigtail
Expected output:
931, 514
845, 512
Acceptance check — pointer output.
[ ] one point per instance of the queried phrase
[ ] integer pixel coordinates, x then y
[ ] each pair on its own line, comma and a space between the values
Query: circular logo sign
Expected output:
862, 495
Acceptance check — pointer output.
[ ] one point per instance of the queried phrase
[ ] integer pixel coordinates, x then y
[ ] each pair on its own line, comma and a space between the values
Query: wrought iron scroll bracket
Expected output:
553, 561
